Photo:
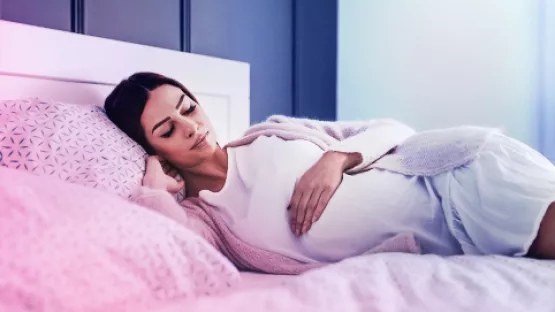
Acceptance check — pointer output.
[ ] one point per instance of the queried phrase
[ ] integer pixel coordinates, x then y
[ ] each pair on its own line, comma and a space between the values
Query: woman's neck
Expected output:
210, 175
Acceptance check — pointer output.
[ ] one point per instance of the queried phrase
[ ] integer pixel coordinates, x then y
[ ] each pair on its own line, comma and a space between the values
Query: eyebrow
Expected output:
159, 124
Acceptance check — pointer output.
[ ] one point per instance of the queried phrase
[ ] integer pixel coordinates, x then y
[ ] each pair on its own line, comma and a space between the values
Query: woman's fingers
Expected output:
294, 205
154, 158
304, 207
175, 186
301, 212
298, 208
172, 173
167, 168
153, 164
151, 161
317, 210
310, 210
161, 175
322, 204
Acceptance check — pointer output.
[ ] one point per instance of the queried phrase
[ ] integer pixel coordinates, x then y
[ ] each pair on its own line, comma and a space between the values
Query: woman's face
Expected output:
177, 127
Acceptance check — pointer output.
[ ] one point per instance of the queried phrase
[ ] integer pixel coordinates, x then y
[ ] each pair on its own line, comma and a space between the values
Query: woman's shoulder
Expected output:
259, 144
249, 158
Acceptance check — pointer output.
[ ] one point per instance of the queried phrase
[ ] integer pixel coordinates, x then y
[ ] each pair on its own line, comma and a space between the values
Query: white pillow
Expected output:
65, 247
74, 143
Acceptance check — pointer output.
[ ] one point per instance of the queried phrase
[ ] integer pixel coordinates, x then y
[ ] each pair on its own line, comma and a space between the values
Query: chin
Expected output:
212, 147
212, 142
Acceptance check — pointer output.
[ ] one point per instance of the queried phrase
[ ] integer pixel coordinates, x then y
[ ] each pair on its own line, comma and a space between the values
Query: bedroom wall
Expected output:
262, 33
315, 59
257, 32
441, 63
547, 86
52, 13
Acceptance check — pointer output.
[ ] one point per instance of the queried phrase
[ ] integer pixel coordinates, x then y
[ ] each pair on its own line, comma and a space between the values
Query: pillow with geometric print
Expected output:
75, 143
84, 250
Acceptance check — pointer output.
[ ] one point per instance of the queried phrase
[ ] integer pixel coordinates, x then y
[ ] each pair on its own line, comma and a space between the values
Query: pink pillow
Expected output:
66, 247
75, 143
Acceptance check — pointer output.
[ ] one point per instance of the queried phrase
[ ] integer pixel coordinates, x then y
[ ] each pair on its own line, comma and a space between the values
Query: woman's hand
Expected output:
161, 176
315, 188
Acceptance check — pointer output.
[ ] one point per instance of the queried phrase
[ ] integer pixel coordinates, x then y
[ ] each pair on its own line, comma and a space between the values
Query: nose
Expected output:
190, 127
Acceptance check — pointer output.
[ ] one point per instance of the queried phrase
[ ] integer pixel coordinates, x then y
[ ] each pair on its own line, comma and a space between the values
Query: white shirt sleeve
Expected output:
164, 203
378, 138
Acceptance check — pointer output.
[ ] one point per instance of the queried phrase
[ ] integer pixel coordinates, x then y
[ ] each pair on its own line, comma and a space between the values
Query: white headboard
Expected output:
52, 64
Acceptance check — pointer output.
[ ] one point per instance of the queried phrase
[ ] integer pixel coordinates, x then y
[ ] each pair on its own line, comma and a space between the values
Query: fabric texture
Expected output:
200, 218
395, 283
74, 143
365, 210
384, 143
495, 204
65, 247
343, 136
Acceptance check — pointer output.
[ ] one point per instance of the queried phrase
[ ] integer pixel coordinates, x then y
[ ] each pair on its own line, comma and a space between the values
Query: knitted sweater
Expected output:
383, 143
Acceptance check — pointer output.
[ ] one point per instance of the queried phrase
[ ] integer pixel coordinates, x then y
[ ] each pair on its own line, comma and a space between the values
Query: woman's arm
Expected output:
351, 147
164, 203
370, 139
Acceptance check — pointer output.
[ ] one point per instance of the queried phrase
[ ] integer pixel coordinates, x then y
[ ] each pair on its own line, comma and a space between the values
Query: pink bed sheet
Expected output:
395, 282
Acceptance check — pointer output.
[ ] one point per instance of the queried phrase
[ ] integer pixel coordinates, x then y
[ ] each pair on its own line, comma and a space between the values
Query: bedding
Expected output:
67, 247
75, 143
85, 250
394, 282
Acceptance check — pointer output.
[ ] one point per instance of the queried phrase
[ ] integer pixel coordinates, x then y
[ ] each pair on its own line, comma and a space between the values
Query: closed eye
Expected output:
169, 132
184, 113
190, 110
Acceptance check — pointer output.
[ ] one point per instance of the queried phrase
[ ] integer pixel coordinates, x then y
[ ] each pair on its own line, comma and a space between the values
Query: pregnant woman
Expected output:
319, 192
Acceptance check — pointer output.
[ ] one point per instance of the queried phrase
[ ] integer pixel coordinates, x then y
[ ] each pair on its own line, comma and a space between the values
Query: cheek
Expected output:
165, 147
179, 153
203, 118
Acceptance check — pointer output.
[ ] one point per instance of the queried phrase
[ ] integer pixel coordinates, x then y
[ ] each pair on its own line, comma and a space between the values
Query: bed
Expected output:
48, 63
70, 68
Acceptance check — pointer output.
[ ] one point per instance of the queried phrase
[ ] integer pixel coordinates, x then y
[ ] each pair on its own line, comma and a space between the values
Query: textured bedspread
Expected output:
396, 282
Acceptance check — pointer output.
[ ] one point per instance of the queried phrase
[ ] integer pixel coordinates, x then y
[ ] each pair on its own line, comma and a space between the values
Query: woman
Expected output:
298, 198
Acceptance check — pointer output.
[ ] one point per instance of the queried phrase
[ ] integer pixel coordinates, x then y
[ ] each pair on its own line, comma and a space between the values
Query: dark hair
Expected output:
126, 103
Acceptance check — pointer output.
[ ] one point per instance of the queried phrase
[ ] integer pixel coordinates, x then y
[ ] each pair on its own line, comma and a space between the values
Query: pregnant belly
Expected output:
367, 209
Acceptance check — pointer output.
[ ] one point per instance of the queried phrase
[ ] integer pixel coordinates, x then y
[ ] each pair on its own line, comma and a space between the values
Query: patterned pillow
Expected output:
75, 143
65, 247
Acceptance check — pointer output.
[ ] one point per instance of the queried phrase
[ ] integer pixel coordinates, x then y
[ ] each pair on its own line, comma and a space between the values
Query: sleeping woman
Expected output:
316, 191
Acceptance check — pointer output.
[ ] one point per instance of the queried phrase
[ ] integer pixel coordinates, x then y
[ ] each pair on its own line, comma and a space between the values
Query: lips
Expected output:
200, 140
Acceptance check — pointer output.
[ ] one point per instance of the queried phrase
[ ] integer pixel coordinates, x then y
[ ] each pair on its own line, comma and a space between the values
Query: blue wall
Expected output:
254, 31
51, 13
150, 22
290, 44
315, 59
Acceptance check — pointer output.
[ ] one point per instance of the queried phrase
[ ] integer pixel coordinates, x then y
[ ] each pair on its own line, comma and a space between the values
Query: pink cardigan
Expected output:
384, 136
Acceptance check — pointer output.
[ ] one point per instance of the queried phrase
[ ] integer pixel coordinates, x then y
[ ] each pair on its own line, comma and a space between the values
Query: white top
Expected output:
365, 210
